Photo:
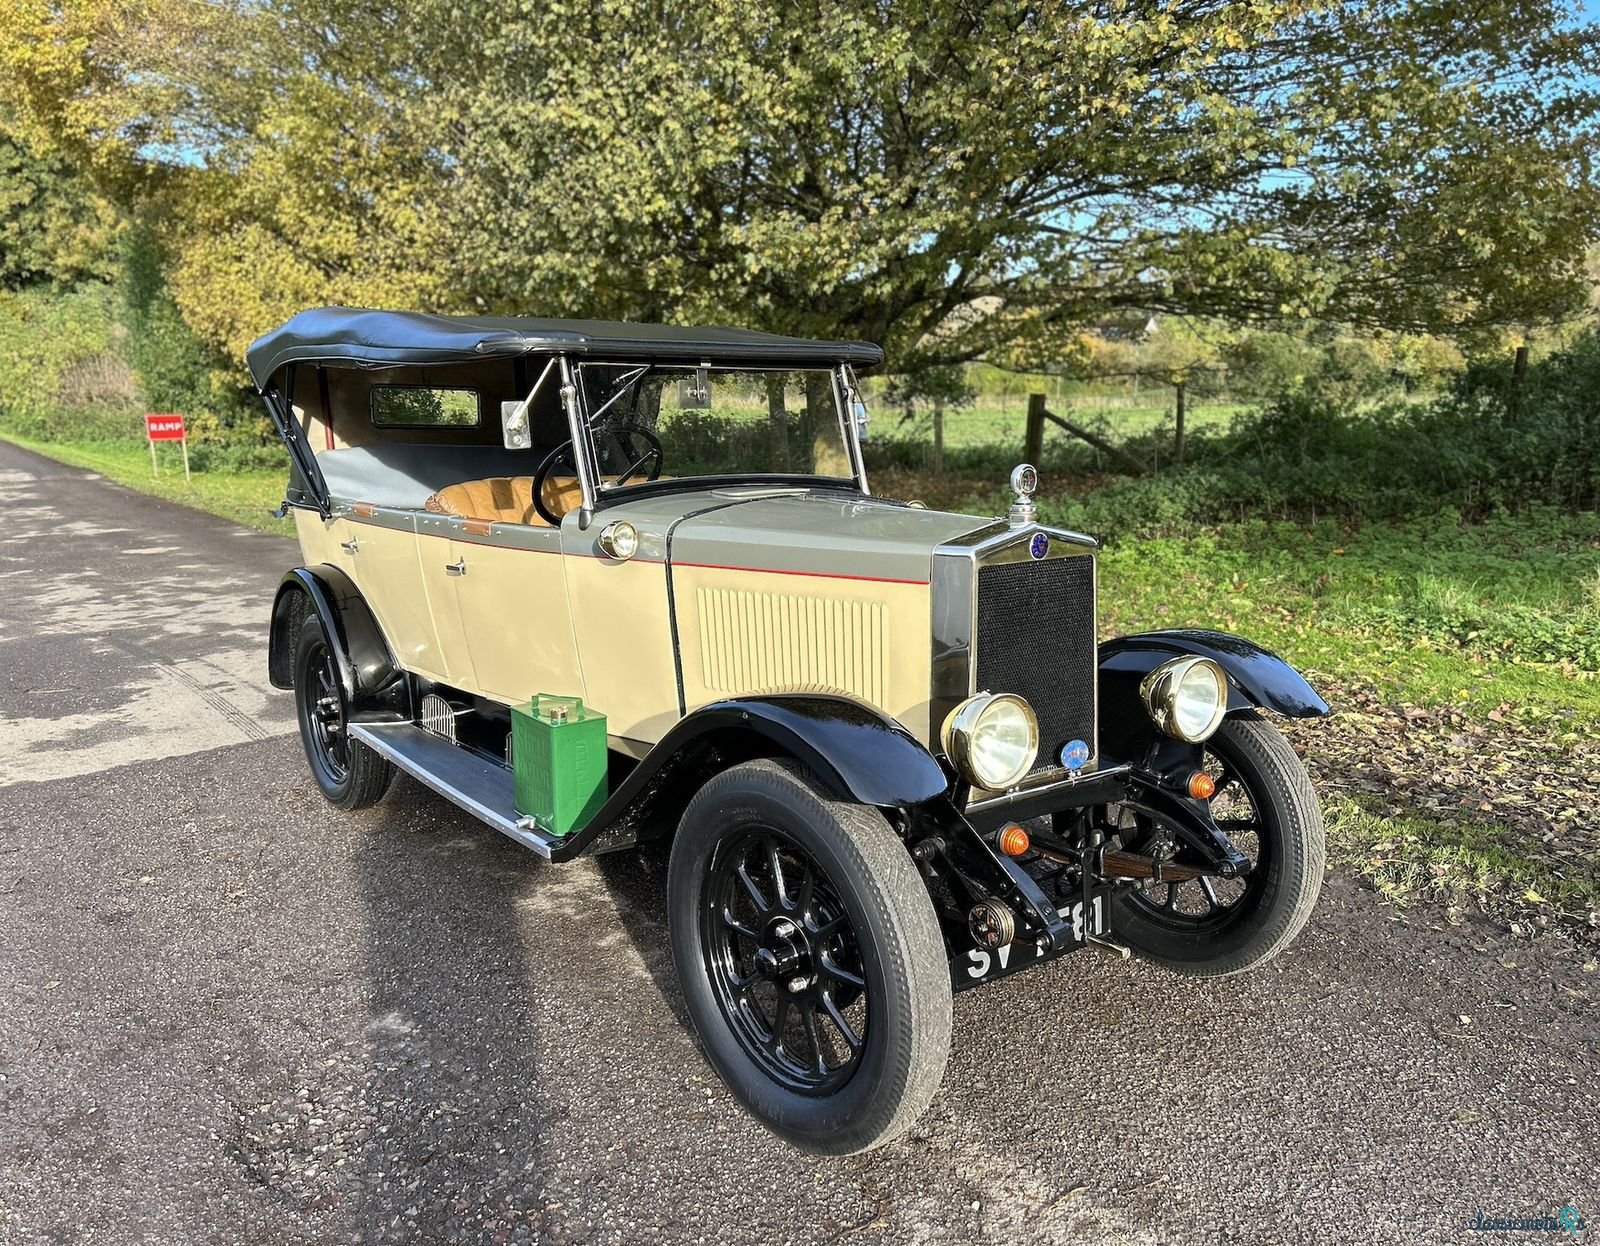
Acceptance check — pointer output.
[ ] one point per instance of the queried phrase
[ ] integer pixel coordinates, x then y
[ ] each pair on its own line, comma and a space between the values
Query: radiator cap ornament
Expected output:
1024, 483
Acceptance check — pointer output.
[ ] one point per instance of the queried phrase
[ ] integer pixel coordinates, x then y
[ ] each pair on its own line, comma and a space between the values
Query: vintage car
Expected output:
603, 583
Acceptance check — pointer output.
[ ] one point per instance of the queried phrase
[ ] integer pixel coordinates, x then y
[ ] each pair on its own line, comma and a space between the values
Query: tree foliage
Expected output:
54, 227
955, 181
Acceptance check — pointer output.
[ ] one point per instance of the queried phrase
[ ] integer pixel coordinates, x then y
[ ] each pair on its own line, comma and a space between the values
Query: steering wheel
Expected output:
620, 445
617, 445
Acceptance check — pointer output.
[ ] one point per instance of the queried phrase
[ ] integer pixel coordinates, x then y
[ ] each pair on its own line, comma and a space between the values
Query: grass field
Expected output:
1000, 420
1434, 612
991, 421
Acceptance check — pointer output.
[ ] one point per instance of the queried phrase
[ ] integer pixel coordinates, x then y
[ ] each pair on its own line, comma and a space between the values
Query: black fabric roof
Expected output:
345, 337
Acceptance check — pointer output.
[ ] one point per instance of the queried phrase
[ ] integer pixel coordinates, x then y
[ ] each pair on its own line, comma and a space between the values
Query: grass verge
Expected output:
1501, 617
248, 497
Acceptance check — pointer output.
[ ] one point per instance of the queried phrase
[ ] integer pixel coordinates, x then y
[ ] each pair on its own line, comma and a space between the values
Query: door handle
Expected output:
350, 546
458, 567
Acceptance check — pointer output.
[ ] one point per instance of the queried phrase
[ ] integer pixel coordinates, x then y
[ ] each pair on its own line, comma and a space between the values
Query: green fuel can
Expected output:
558, 757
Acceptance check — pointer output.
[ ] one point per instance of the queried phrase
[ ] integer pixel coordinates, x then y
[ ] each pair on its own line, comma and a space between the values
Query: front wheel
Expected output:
1211, 927
810, 958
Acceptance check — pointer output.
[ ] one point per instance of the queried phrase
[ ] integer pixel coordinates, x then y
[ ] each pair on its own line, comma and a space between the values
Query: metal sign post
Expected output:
167, 428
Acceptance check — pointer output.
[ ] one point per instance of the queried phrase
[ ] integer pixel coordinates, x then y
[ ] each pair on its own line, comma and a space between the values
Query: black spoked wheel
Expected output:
1265, 804
349, 773
1210, 905
324, 707
784, 962
810, 958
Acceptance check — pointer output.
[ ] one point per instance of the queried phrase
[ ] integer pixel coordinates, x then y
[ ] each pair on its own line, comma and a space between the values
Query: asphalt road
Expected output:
232, 1014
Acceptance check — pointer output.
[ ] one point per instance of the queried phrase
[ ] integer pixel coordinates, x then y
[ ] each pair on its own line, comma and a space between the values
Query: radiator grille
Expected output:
1036, 638
752, 642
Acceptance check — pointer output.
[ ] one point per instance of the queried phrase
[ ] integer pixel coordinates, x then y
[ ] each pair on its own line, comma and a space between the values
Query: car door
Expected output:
511, 597
443, 568
377, 547
622, 623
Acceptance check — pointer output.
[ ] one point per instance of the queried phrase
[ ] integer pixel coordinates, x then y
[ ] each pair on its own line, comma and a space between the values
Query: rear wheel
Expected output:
1210, 927
349, 773
810, 958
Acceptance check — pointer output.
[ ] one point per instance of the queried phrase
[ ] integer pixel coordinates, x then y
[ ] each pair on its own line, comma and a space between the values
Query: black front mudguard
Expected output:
1257, 679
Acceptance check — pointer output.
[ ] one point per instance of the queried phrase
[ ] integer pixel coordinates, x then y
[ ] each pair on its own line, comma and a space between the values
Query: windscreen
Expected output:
677, 422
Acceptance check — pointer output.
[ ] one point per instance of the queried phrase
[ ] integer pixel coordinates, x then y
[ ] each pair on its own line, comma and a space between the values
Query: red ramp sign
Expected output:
167, 428
164, 428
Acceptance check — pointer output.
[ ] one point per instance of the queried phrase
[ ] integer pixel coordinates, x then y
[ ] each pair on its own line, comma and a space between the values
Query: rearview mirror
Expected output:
858, 411
694, 394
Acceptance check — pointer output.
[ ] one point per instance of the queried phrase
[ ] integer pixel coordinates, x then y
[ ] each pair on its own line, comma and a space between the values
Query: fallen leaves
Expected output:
1517, 783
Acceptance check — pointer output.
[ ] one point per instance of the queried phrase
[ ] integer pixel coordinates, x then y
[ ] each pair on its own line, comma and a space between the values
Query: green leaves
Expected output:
954, 181
54, 228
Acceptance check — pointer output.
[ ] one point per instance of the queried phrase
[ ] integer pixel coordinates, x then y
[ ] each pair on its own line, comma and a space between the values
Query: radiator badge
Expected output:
1040, 545
1074, 754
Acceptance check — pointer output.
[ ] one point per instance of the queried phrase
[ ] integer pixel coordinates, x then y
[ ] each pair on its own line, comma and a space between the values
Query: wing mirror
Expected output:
516, 433
514, 430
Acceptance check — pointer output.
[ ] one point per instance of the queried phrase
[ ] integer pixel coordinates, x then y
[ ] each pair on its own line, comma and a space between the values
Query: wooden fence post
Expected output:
1177, 444
1033, 439
1519, 373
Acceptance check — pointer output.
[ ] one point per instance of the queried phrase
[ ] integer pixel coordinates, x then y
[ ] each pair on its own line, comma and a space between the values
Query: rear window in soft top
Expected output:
425, 406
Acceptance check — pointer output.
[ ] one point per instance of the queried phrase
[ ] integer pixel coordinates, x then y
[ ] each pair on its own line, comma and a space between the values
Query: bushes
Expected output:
82, 365
60, 376
1475, 448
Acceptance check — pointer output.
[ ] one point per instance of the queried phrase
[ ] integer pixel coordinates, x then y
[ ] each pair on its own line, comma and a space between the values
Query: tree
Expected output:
54, 228
953, 181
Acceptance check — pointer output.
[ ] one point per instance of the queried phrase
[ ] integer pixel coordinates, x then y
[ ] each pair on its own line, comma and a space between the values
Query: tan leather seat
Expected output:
508, 499
505, 499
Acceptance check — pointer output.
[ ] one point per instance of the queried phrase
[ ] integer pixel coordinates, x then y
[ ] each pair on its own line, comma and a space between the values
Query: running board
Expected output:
482, 787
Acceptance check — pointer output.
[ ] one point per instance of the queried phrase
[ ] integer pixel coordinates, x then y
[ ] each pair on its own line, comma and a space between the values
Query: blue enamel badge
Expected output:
1040, 545
1074, 754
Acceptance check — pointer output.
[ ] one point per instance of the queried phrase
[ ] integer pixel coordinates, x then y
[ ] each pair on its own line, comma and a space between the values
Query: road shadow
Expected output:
452, 1131
637, 881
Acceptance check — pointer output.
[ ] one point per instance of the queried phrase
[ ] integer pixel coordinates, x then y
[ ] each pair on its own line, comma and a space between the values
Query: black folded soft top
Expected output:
346, 337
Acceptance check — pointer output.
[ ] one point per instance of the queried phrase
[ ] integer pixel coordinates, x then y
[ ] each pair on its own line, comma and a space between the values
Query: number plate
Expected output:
977, 966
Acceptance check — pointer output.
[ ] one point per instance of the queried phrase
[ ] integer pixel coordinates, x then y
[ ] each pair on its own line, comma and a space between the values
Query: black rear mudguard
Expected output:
375, 687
